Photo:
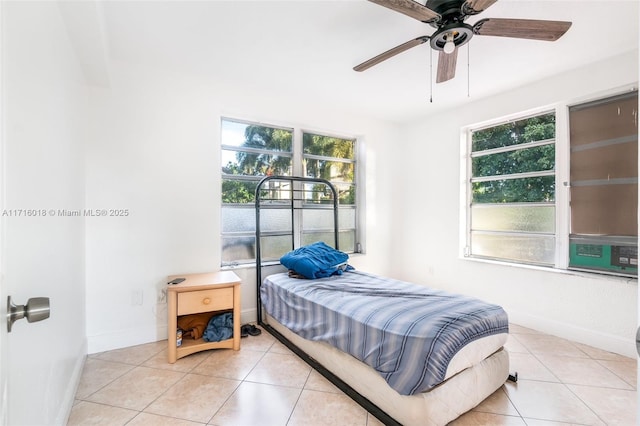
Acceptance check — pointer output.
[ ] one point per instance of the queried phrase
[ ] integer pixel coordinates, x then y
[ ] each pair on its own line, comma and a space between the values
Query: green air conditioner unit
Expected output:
607, 254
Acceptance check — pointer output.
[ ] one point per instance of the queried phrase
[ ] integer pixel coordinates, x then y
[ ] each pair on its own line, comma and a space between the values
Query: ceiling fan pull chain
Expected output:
430, 75
468, 70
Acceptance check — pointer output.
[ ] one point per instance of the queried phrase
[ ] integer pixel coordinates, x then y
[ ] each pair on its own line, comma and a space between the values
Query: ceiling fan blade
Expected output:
472, 7
447, 66
532, 29
410, 8
390, 53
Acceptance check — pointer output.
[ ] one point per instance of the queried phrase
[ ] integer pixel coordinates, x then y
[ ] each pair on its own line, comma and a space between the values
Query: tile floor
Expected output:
560, 383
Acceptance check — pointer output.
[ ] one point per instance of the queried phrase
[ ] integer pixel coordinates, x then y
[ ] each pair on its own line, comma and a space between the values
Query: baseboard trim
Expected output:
70, 394
604, 341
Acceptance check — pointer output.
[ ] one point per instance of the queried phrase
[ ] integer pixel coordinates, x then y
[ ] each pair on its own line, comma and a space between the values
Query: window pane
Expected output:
238, 220
275, 220
310, 238
252, 164
276, 192
604, 210
329, 170
317, 219
346, 194
255, 136
321, 219
238, 249
521, 161
238, 191
347, 218
520, 248
514, 218
347, 240
535, 189
522, 131
274, 246
328, 146
320, 194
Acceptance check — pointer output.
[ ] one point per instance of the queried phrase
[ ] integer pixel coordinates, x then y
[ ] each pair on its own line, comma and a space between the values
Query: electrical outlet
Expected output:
162, 296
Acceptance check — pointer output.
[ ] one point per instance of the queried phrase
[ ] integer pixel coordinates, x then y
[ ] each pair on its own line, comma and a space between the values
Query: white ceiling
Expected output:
306, 50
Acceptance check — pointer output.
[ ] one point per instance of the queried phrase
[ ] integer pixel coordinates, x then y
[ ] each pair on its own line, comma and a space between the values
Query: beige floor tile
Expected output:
538, 422
529, 367
373, 421
279, 369
318, 382
137, 388
626, 370
475, 418
279, 348
134, 355
229, 364
183, 365
194, 397
582, 371
497, 403
596, 353
97, 373
551, 345
513, 345
89, 413
146, 419
549, 401
257, 404
261, 343
330, 409
614, 406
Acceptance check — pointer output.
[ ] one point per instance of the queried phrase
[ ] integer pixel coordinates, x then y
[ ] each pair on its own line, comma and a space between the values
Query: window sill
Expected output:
573, 272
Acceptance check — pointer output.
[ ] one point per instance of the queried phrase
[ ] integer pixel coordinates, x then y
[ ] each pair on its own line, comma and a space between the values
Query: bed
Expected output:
407, 353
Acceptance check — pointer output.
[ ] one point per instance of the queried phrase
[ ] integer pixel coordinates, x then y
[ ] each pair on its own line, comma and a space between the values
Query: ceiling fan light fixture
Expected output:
449, 46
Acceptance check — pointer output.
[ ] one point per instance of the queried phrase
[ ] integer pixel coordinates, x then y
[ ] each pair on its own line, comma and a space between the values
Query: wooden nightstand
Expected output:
214, 292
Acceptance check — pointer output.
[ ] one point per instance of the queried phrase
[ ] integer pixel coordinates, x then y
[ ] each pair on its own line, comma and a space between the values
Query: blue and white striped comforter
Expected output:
406, 332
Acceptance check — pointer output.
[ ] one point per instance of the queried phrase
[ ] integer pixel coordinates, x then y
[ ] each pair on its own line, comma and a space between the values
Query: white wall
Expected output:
591, 309
155, 150
44, 114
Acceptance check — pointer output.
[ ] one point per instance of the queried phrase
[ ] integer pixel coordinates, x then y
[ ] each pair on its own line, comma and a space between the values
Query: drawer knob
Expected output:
206, 301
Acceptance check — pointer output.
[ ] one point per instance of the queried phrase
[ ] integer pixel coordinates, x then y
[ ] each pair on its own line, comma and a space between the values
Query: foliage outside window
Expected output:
512, 213
252, 151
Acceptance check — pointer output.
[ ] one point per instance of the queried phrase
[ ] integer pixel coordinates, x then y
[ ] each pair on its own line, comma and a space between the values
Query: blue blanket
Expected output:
317, 260
407, 332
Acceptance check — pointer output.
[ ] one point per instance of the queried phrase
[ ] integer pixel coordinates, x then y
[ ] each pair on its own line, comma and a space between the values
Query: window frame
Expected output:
562, 193
467, 180
297, 169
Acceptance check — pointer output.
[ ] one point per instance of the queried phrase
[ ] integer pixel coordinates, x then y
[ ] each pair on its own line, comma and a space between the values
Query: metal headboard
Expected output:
291, 193
294, 194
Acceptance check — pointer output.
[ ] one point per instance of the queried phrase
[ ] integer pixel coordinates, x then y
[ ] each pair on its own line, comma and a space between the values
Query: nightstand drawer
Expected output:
193, 302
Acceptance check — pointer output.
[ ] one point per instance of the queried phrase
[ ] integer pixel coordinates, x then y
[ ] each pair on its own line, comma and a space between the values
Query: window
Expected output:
604, 184
332, 159
513, 191
514, 213
251, 151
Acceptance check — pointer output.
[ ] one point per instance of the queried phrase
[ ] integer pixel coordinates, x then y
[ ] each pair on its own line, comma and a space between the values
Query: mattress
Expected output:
414, 337
442, 404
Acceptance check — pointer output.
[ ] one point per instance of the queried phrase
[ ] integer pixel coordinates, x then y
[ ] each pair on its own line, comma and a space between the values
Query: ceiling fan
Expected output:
448, 16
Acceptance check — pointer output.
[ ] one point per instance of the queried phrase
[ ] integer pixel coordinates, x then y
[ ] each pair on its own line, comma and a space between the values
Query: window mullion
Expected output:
513, 176
510, 148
